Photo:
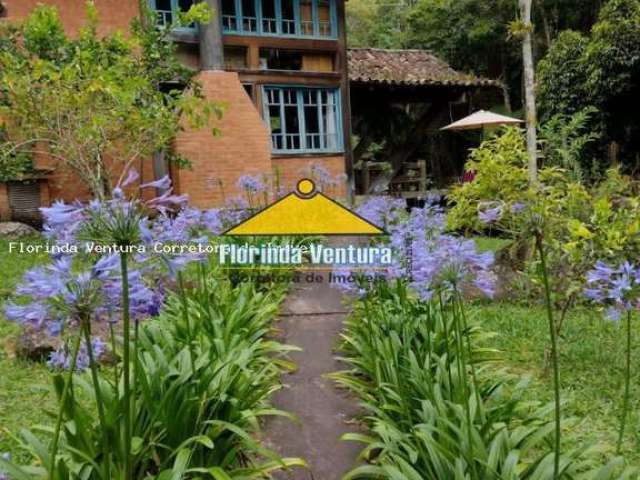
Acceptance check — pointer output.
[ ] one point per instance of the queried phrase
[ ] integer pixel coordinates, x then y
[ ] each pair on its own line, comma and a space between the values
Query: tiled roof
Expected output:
406, 67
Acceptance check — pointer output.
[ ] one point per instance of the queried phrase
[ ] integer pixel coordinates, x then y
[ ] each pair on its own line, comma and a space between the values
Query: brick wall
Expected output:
293, 169
244, 146
64, 184
112, 14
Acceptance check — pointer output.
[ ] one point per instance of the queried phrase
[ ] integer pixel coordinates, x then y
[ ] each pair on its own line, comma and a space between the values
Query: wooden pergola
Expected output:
387, 84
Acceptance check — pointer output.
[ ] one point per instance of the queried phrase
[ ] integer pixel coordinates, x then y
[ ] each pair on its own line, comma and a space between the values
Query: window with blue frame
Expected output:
303, 119
167, 10
293, 18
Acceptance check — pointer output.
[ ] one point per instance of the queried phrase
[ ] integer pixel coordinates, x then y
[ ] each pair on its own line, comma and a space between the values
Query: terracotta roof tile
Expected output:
406, 67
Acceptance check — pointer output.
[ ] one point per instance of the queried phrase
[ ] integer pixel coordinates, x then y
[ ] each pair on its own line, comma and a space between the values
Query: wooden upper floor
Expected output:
288, 35
290, 56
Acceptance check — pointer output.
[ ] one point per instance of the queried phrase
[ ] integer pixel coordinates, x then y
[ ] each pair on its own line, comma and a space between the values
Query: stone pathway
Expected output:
312, 320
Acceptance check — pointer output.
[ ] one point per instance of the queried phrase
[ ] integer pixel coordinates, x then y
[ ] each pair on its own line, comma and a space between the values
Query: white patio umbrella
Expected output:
482, 119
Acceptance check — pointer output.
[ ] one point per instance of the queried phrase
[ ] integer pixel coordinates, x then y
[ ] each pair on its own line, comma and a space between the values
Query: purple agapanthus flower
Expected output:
321, 175
250, 183
235, 211
34, 314
382, 211
449, 263
59, 294
62, 221
167, 201
62, 358
430, 260
616, 288
212, 220
518, 207
490, 213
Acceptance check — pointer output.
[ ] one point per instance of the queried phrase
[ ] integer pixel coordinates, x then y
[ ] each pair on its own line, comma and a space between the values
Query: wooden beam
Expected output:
363, 145
401, 154
304, 44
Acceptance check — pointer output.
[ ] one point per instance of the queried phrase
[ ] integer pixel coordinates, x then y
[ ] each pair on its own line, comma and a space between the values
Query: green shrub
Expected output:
437, 406
204, 374
500, 166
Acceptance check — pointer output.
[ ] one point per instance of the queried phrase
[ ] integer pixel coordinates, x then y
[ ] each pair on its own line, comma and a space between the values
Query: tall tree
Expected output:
472, 35
94, 104
377, 23
602, 71
529, 89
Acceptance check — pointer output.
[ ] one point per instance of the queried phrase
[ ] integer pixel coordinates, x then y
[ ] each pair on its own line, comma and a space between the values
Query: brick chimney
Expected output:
243, 147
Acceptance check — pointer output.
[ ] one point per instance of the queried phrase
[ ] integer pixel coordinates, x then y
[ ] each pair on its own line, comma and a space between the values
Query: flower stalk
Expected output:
627, 387
68, 385
126, 360
554, 353
86, 329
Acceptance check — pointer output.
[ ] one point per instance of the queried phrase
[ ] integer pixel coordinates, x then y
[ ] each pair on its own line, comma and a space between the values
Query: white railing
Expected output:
229, 23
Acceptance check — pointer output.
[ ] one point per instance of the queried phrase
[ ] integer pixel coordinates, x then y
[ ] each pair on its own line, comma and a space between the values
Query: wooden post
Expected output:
423, 175
366, 179
211, 47
614, 153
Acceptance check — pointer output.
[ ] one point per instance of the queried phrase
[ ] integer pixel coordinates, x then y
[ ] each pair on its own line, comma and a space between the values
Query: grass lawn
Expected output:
591, 371
491, 243
23, 397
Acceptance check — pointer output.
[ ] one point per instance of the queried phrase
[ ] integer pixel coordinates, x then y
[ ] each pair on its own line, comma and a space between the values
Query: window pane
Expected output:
275, 122
324, 18
288, 17
235, 58
291, 121
329, 120
163, 5
269, 23
318, 112
249, 18
229, 21
165, 14
185, 5
292, 126
277, 59
306, 17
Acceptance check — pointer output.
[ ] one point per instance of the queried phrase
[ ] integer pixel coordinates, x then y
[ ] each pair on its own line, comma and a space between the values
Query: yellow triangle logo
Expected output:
305, 212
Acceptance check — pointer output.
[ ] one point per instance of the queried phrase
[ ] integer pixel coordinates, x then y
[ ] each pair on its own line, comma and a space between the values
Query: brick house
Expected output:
279, 66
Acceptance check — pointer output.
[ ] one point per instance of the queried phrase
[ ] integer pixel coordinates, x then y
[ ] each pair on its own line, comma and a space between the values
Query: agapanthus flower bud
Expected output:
162, 184
618, 289
132, 176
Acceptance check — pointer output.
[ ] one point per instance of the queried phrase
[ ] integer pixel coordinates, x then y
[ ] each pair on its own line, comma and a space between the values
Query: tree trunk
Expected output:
211, 49
548, 35
506, 94
529, 88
